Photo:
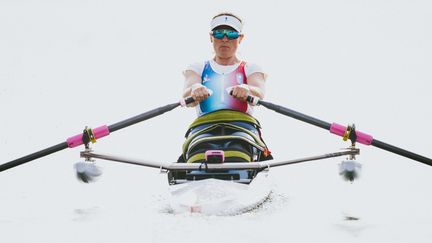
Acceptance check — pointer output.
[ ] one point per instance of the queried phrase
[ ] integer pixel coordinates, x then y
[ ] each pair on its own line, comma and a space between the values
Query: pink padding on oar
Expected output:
362, 138
183, 102
99, 132
338, 129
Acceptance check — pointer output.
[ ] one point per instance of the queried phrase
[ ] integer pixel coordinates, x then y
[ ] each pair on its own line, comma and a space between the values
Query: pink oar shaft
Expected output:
340, 130
77, 140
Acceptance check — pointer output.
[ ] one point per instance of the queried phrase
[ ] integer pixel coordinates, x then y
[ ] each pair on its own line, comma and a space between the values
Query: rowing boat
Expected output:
219, 197
213, 185
212, 188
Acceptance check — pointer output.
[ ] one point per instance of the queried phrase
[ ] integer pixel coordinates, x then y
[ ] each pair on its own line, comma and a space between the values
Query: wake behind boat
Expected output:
219, 197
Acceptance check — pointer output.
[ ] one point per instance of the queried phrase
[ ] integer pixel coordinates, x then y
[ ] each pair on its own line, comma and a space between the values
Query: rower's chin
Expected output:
225, 51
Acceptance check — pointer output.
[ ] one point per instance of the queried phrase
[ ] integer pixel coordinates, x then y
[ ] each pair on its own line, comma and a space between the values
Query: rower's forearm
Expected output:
187, 92
257, 91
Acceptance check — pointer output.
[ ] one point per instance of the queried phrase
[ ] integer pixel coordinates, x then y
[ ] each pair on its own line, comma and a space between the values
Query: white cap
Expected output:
227, 20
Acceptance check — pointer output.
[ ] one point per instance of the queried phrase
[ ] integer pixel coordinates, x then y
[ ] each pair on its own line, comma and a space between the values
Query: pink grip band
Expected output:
362, 138
183, 102
99, 132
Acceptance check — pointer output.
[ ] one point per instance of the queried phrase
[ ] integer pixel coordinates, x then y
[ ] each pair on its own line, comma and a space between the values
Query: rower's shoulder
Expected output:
196, 67
253, 67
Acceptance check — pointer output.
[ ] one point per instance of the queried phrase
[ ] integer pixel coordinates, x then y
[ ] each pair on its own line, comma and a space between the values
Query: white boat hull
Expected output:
219, 197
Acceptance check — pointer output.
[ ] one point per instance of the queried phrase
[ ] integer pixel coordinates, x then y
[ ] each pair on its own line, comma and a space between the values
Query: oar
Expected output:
94, 134
341, 130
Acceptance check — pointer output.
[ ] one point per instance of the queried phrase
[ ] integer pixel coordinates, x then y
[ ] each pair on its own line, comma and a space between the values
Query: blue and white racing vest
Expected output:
218, 83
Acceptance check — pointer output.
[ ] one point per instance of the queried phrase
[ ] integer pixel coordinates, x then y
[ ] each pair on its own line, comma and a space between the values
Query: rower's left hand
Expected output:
241, 91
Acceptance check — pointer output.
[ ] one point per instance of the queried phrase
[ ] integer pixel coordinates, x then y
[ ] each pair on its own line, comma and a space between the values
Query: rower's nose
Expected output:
225, 38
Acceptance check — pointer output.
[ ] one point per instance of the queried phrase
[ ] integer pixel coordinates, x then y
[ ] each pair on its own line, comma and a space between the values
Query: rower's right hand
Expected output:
199, 92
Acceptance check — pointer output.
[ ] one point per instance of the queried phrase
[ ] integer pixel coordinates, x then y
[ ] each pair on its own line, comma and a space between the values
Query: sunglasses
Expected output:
230, 34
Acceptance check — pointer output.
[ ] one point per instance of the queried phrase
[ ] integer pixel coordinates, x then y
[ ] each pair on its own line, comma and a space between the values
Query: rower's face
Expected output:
225, 47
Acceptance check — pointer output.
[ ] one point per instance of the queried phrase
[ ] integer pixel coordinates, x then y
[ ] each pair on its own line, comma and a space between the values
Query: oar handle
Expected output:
253, 100
186, 101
